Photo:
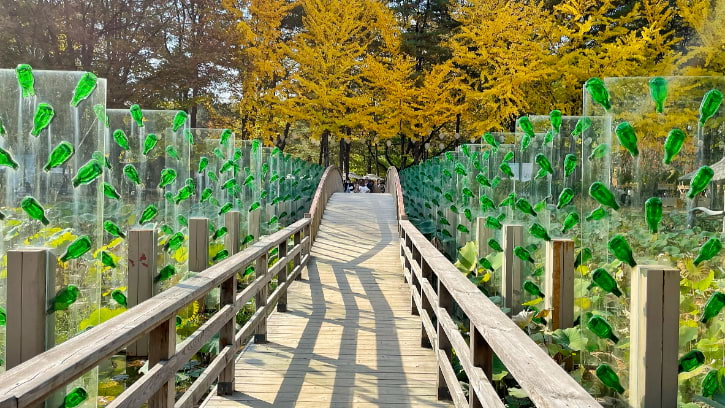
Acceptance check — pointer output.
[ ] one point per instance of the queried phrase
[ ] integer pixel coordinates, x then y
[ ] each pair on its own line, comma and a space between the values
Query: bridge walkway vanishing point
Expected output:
348, 337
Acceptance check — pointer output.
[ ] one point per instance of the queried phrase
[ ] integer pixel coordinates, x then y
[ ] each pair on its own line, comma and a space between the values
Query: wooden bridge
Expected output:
370, 323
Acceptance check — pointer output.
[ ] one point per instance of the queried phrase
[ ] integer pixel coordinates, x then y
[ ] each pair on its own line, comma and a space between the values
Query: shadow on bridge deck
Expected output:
348, 338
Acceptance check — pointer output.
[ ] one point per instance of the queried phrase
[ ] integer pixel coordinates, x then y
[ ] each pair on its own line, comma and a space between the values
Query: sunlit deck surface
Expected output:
348, 337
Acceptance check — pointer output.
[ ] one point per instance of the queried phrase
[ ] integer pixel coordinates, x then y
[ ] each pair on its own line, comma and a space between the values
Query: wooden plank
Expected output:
198, 244
449, 376
162, 342
142, 248
232, 241
559, 283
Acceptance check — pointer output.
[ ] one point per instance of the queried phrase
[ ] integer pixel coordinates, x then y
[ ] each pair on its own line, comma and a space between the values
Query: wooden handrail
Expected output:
435, 285
331, 182
392, 186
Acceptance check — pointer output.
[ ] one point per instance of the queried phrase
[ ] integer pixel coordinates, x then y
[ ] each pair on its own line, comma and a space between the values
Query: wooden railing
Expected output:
330, 183
437, 289
392, 186
30, 383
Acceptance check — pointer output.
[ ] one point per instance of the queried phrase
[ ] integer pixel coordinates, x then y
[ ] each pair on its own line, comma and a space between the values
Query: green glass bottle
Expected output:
218, 153
136, 115
148, 214
113, 229
221, 255
525, 207
453, 208
599, 326
460, 170
555, 119
710, 384
596, 214
582, 257
598, 92
565, 198
131, 173
226, 208
224, 137
526, 126
658, 92
523, 254
602, 278
485, 264
275, 178
3, 131
488, 138
493, 223
174, 242
571, 221
541, 205
710, 105
184, 194
510, 200
182, 220
526, 142
599, 152
206, 194
75, 398
582, 125
532, 289
256, 144
65, 298
119, 297
119, 136
84, 88
166, 273
493, 244
621, 250
467, 192
714, 305
7, 160
544, 163
549, 136
709, 250
229, 184
506, 169
166, 230
448, 196
228, 165
100, 112
203, 163
107, 260
44, 114
189, 137
32, 207
180, 119
508, 157
273, 220
219, 233
653, 213
26, 80
606, 375
601, 193
3, 317
673, 144
538, 231
569, 164
149, 143
248, 239
168, 176
627, 138
486, 203
88, 173
495, 182
690, 361
255, 205
172, 152
79, 247
462, 228
700, 182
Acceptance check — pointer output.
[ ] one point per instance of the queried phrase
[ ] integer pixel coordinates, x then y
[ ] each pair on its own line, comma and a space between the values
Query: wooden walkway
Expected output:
348, 337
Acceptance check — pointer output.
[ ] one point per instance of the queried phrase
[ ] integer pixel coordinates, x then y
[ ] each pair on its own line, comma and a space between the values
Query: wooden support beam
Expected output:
228, 293
511, 268
282, 277
142, 270
298, 255
260, 299
483, 234
30, 288
198, 244
232, 220
654, 328
253, 223
559, 283
481, 356
445, 302
162, 345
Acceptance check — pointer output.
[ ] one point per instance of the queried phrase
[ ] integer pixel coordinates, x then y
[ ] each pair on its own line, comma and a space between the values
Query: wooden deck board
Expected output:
348, 337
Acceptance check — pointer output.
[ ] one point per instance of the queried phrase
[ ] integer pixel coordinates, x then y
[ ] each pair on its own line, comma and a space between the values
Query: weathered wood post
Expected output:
228, 293
253, 223
483, 234
445, 301
654, 328
260, 299
559, 282
30, 288
298, 255
162, 345
482, 356
426, 274
511, 279
142, 249
282, 276
233, 238
198, 244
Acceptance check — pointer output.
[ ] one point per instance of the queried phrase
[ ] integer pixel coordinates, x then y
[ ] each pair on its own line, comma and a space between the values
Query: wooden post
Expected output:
141, 273
482, 356
198, 244
30, 287
654, 331
228, 292
426, 274
559, 284
445, 301
253, 223
260, 299
233, 237
483, 234
282, 277
511, 279
298, 256
162, 345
